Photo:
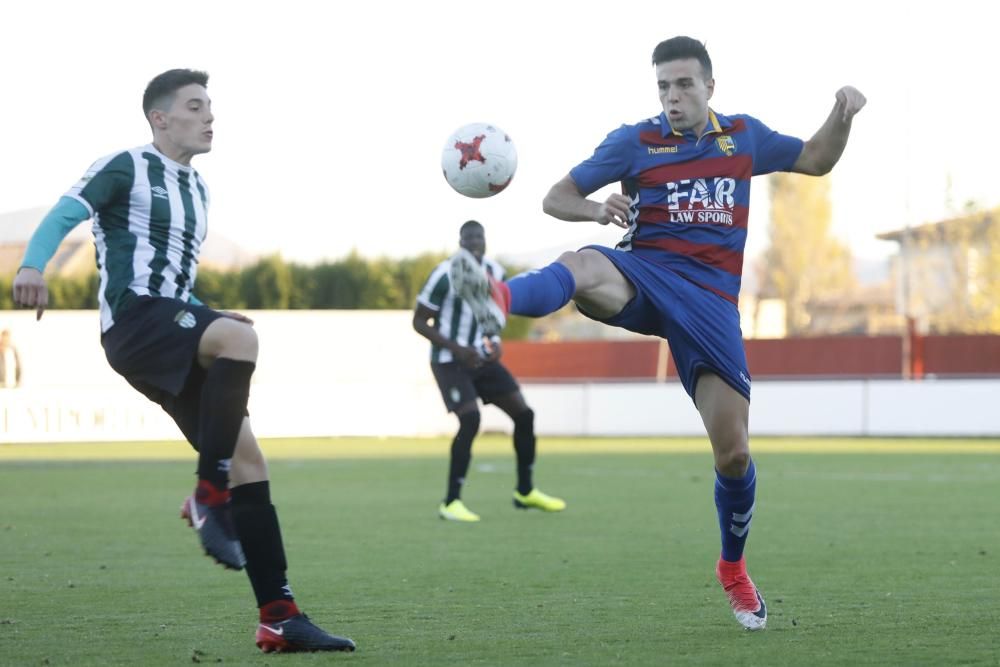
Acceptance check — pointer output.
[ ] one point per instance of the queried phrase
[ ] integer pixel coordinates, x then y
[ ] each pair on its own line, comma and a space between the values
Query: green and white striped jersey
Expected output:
454, 318
150, 218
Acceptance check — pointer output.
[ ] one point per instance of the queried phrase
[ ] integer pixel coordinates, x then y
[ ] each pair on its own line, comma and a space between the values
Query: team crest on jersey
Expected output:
185, 319
726, 144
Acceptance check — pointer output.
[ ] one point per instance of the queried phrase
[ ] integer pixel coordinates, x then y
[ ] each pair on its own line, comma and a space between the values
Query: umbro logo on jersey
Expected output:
160, 192
185, 319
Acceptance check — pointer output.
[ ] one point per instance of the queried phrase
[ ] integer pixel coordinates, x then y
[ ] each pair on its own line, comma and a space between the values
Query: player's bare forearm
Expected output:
824, 149
565, 202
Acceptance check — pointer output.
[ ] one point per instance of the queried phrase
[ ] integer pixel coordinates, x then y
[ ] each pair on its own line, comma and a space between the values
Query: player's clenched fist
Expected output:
851, 101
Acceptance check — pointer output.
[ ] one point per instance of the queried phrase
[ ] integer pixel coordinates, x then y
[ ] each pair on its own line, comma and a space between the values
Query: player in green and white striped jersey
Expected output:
466, 366
149, 208
148, 241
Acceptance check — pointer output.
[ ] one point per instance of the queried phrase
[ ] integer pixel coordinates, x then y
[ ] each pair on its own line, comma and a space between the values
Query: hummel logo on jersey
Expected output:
159, 191
273, 629
185, 319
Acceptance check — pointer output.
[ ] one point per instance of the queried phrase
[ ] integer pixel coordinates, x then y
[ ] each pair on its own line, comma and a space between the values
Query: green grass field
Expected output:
867, 551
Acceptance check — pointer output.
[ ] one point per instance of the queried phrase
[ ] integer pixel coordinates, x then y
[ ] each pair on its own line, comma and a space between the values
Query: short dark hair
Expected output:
469, 223
680, 48
163, 86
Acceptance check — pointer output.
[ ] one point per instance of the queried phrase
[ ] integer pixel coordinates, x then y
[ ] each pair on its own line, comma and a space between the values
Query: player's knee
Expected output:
525, 420
244, 342
468, 422
230, 339
733, 462
570, 259
577, 265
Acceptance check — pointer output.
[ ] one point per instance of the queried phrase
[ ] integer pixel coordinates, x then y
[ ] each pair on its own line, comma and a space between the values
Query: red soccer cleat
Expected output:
746, 601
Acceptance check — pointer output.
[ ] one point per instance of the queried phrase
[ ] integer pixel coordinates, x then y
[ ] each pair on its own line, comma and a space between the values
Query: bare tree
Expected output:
803, 260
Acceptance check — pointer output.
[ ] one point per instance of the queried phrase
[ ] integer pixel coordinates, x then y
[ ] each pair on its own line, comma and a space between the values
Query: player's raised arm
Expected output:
566, 202
820, 153
30, 289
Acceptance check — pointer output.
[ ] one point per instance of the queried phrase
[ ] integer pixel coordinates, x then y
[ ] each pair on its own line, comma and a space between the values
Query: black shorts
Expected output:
154, 345
459, 384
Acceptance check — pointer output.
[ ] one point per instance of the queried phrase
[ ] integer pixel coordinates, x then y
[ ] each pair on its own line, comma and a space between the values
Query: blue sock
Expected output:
734, 499
538, 293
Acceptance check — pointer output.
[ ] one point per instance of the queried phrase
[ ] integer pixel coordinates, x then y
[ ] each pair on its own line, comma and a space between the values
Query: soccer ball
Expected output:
479, 160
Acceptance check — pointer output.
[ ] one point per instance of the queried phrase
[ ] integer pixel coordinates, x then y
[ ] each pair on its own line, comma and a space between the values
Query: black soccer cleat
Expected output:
216, 531
297, 634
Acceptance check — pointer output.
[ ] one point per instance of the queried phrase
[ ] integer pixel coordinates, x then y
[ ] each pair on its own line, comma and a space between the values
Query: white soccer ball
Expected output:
479, 160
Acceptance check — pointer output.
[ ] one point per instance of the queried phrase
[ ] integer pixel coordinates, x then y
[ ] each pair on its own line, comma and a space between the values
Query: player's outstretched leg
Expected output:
488, 298
533, 294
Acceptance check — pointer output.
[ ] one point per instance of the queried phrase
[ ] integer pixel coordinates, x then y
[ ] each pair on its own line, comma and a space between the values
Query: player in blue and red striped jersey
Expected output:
685, 178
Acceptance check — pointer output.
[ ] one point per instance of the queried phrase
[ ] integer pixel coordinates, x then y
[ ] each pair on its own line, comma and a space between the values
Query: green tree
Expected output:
803, 259
74, 293
219, 289
267, 284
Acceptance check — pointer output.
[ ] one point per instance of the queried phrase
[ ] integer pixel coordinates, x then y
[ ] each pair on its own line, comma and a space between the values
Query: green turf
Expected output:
863, 559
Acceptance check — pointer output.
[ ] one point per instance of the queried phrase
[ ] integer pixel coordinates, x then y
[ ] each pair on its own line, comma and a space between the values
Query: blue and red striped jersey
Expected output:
690, 196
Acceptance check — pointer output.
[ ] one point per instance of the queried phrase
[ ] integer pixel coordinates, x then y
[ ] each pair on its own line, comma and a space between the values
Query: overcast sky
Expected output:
331, 117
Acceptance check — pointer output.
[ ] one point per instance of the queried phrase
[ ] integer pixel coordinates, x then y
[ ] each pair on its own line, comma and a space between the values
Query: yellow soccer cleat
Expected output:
457, 511
538, 500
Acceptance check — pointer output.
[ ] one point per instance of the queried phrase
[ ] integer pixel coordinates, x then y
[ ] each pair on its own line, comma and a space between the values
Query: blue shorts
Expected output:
702, 328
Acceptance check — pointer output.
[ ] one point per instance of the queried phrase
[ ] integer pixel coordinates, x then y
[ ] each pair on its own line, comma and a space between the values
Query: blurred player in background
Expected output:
466, 366
10, 362
149, 209
685, 177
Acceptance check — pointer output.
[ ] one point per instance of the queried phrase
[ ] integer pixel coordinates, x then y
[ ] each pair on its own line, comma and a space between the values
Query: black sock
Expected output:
224, 396
257, 527
524, 447
461, 453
